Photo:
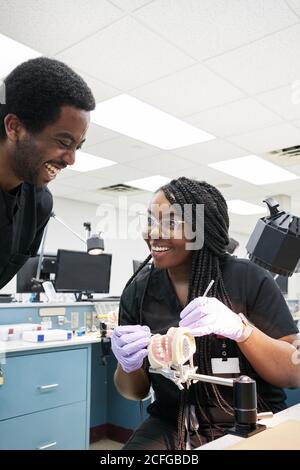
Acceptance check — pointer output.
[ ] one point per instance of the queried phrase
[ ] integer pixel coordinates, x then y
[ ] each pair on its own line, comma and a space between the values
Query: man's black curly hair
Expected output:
37, 89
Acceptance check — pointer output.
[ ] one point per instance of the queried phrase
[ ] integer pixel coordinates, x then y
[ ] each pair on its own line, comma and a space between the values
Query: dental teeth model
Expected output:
173, 349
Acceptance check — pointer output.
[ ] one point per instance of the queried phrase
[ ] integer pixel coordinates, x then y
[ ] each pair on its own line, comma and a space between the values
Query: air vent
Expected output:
119, 189
286, 156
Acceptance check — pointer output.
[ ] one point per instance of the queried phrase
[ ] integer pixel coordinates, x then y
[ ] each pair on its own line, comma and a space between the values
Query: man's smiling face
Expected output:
38, 158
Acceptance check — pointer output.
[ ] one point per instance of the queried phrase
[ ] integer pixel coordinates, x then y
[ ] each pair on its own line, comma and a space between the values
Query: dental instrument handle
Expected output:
208, 288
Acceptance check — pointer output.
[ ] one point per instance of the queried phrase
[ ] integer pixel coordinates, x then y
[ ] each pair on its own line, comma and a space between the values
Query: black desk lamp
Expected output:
94, 244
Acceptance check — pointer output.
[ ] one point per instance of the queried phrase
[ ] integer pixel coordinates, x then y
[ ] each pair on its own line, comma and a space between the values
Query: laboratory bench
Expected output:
55, 393
229, 440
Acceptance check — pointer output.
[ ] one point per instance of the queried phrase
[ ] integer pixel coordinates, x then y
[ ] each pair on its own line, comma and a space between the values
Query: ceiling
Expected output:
230, 67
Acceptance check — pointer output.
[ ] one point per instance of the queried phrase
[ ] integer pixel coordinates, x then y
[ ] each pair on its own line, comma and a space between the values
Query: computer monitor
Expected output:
28, 272
80, 272
137, 264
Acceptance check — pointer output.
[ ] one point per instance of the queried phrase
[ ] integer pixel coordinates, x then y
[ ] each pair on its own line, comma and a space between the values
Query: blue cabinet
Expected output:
45, 399
61, 428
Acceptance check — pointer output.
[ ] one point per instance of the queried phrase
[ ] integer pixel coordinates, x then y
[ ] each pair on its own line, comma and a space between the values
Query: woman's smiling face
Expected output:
165, 234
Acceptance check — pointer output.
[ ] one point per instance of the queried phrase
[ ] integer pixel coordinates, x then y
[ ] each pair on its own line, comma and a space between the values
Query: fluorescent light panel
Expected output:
152, 183
141, 121
254, 170
87, 162
237, 206
13, 53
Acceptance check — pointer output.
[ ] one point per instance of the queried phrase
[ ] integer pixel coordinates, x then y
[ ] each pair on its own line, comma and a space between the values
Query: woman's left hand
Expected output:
206, 315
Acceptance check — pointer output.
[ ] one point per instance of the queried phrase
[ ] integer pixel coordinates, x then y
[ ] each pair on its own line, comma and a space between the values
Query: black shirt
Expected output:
252, 291
24, 213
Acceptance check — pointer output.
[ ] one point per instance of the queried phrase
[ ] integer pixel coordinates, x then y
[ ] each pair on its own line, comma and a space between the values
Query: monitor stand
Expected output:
37, 297
79, 297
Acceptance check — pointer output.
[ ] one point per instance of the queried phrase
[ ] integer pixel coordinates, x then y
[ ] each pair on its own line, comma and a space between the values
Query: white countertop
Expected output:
228, 440
108, 299
17, 346
45, 304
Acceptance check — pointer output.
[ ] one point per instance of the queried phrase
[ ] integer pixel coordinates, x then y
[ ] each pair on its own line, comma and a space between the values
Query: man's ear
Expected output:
13, 127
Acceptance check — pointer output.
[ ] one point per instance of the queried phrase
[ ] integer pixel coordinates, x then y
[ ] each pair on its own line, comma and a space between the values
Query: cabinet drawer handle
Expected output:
48, 387
47, 446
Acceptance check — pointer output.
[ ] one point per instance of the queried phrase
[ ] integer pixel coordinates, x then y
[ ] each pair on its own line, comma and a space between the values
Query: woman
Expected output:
170, 295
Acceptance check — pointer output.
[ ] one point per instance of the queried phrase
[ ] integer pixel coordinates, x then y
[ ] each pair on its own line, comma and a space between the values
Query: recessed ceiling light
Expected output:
87, 162
237, 206
13, 53
152, 183
254, 169
141, 121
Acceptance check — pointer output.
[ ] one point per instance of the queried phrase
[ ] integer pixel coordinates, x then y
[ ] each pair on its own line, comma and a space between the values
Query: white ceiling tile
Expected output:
295, 6
268, 63
209, 152
53, 25
123, 149
64, 174
295, 169
161, 164
235, 118
216, 178
90, 196
271, 138
61, 179
60, 190
187, 171
129, 55
118, 174
285, 101
290, 188
101, 91
99, 198
96, 134
209, 27
86, 181
296, 123
188, 91
130, 5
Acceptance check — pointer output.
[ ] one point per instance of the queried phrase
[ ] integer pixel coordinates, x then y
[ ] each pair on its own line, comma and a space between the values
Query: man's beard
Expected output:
27, 161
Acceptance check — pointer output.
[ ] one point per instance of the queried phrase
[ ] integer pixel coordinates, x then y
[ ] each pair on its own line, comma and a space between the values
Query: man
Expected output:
43, 122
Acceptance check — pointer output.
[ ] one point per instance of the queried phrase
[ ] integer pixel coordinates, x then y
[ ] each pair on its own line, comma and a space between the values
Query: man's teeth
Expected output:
52, 170
160, 248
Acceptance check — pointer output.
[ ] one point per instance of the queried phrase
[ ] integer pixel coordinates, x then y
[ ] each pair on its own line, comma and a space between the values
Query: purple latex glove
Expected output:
206, 315
129, 344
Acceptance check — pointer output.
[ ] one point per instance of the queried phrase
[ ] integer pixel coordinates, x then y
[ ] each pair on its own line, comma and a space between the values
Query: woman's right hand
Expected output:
129, 345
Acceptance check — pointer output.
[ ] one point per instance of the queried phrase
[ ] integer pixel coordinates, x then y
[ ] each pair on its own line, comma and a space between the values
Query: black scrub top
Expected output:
24, 213
252, 291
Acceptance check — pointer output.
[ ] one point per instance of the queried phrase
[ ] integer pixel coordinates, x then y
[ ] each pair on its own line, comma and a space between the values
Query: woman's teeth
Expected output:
160, 248
52, 170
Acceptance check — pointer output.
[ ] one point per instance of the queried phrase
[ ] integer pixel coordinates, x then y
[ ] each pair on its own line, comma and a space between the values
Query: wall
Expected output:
74, 213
